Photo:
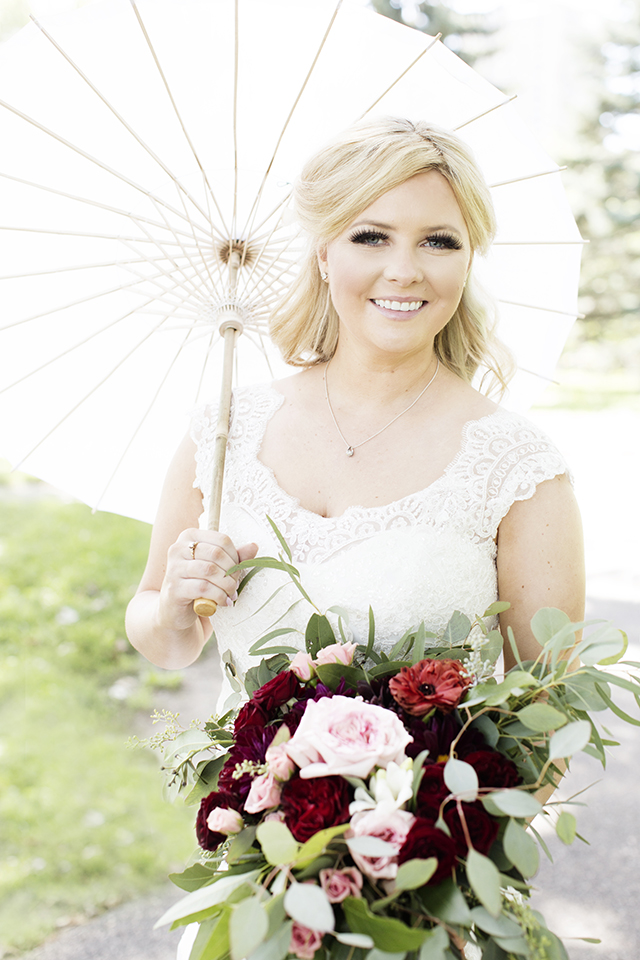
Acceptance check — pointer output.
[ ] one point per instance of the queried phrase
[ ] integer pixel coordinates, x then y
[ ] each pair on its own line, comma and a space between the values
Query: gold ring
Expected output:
192, 547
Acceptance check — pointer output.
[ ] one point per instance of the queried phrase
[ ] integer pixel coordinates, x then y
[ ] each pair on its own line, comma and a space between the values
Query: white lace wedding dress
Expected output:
417, 559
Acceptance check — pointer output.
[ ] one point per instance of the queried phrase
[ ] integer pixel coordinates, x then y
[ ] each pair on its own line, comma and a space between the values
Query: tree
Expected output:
605, 182
467, 34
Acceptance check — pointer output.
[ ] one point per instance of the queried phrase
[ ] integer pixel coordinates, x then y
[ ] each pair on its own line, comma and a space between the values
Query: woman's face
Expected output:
396, 274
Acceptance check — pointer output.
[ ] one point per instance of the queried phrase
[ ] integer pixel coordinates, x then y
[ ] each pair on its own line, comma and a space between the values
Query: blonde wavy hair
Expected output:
342, 180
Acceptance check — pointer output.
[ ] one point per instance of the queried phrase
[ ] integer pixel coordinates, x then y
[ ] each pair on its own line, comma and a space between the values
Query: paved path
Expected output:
590, 890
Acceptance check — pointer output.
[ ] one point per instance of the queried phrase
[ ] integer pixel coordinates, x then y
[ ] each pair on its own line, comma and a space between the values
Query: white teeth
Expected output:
405, 305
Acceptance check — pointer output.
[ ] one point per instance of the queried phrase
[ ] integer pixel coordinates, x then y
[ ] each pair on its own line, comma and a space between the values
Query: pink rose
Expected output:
279, 762
223, 820
264, 793
339, 884
336, 653
346, 737
302, 665
392, 828
304, 942
275, 815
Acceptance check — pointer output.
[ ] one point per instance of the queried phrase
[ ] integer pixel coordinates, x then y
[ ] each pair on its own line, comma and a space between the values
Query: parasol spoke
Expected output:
74, 346
203, 259
165, 82
539, 243
287, 121
77, 266
531, 306
142, 420
187, 294
87, 156
375, 103
485, 113
80, 233
529, 176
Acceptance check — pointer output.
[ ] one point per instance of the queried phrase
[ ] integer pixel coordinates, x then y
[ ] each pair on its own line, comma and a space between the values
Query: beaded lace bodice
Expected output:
418, 558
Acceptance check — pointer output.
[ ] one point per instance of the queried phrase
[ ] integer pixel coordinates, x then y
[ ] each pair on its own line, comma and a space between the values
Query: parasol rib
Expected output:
203, 259
117, 115
81, 266
531, 306
529, 176
485, 113
434, 40
177, 113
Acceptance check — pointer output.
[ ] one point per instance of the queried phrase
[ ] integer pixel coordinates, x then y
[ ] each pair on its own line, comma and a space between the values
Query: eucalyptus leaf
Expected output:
332, 673
514, 803
581, 692
484, 877
605, 643
212, 939
566, 827
547, 622
570, 739
240, 844
371, 846
517, 945
281, 539
259, 645
376, 954
447, 902
487, 728
205, 897
415, 873
435, 947
388, 934
248, 927
541, 717
461, 779
316, 844
194, 877
308, 904
521, 849
417, 653
492, 648
361, 940
457, 630
495, 926
319, 634
278, 844
277, 946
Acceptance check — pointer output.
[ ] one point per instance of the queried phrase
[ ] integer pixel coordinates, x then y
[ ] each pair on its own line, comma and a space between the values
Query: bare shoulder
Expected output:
461, 400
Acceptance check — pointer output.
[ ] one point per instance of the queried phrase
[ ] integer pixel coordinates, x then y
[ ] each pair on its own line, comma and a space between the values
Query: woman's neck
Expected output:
378, 380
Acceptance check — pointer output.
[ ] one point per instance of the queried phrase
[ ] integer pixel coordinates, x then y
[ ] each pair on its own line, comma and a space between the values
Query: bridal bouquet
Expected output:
369, 806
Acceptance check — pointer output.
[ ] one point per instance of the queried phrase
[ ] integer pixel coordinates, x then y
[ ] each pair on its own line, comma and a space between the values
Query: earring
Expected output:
324, 276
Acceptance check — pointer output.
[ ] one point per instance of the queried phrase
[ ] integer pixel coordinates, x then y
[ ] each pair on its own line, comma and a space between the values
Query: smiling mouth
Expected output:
406, 306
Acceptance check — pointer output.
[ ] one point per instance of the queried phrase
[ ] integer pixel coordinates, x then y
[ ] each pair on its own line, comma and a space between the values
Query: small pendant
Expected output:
350, 451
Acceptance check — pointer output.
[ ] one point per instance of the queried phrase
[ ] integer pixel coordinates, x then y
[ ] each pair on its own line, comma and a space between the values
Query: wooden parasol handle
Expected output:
229, 330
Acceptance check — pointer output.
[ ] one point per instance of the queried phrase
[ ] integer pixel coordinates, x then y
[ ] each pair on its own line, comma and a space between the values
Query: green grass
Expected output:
82, 821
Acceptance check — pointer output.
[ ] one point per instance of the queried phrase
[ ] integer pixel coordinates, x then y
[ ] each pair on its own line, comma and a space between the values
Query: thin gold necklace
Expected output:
352, 447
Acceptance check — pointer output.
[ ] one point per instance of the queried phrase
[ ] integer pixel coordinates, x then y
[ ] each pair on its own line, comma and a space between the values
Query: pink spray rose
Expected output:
302, 665
347, 737
264, 793
223, 820
392, 828
279, 762
336, 653
304, 942
340, 884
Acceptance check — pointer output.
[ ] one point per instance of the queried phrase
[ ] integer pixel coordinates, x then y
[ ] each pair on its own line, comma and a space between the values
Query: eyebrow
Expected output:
387, 226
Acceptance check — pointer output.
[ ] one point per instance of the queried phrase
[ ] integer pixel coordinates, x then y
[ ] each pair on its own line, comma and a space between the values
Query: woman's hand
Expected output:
199, 571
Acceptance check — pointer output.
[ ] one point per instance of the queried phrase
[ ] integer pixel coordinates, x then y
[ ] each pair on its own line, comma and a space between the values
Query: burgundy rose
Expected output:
430, 684
207, 838
431, 792
312, 805
278, 691
424, 841
494, 769
482, 828
251, 715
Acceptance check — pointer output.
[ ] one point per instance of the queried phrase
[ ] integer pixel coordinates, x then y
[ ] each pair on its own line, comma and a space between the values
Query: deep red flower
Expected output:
311, 805
273, 694
431, 792
251, 715
423, 841
494, 769
251, 744
429, 684
206, 838
482, 828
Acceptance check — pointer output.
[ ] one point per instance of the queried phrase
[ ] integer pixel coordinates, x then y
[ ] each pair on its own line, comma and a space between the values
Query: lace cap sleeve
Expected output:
202, 432
512, 456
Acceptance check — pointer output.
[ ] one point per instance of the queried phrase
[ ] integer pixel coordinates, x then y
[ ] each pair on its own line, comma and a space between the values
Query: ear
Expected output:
321, 253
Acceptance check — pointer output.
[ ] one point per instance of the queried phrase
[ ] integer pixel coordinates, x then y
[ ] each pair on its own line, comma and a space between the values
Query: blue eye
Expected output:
372, 238
443, 241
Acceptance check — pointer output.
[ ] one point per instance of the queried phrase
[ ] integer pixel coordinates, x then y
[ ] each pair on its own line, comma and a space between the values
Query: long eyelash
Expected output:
447, 240
365, 233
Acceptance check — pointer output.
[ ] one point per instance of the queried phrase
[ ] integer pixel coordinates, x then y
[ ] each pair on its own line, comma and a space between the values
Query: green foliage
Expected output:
82, 822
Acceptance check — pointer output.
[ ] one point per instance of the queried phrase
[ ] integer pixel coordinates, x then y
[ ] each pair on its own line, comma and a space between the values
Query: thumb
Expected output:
247, 551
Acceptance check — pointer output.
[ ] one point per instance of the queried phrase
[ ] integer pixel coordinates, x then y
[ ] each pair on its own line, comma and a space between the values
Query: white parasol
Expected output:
147, 150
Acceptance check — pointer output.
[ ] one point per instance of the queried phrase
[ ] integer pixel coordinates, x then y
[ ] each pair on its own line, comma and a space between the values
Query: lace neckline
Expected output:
277, 399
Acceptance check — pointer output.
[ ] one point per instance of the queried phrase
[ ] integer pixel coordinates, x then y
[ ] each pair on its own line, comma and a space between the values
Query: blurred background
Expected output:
86, 839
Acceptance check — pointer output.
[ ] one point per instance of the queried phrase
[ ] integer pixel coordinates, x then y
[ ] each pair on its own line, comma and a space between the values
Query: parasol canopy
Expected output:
147, 153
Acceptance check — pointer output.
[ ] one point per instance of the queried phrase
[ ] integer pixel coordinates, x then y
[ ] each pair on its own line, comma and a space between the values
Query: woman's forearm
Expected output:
160, 642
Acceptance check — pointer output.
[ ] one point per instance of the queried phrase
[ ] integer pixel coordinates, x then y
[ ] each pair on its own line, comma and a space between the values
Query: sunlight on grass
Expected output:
82, 821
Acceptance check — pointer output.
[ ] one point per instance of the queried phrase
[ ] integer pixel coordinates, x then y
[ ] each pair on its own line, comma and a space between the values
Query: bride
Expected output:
394, 481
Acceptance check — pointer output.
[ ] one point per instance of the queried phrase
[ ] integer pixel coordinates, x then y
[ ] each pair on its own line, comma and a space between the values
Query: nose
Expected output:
403, 265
